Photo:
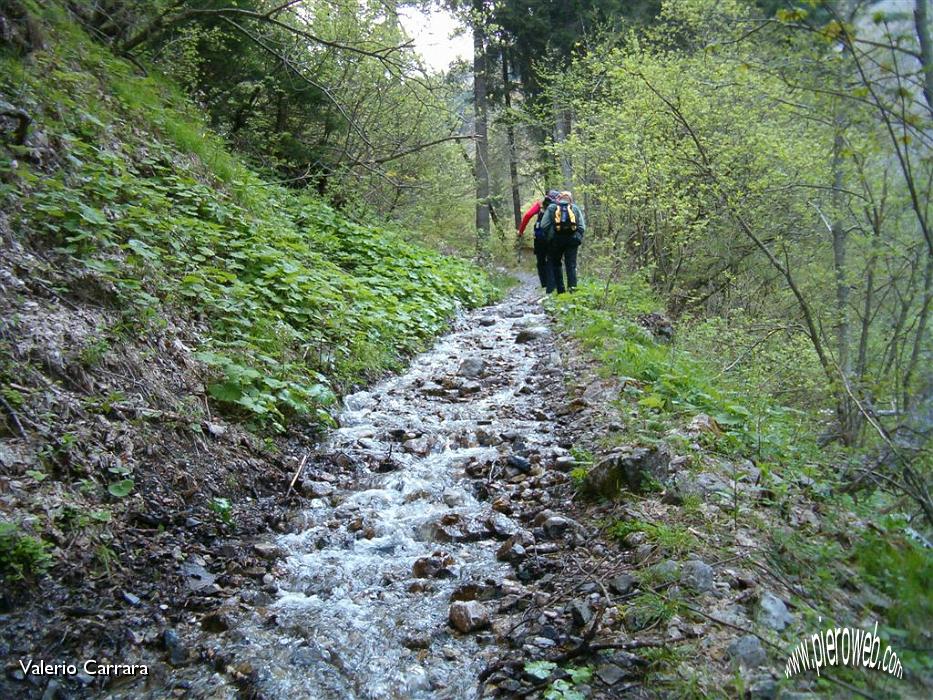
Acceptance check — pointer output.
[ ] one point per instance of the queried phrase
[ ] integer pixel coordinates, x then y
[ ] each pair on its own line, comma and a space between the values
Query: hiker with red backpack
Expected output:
540, 245
562, 227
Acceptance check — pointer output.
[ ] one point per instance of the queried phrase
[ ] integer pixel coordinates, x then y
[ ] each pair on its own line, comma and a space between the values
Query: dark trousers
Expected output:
562, 253
541, 258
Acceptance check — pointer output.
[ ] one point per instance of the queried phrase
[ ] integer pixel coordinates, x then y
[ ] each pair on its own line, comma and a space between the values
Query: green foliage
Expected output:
21, 555
902, 569
540, 669
671, 382
222, 507
299, 301
672, 538
559, 688
648, 610
754, 194
121, 488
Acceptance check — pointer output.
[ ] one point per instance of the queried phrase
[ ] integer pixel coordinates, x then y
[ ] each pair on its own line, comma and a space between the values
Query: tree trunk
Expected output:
481, 168
510, 136
921, 337
562, 125
922, 24
846, 412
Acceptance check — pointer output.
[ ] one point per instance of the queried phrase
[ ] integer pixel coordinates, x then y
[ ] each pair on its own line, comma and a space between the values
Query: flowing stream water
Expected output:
351, 619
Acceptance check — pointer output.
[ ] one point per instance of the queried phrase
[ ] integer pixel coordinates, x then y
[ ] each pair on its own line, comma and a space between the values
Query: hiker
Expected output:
563, 226
540, 245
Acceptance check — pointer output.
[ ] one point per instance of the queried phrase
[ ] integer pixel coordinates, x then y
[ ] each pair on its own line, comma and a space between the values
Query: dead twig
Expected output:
13, 417
295, 477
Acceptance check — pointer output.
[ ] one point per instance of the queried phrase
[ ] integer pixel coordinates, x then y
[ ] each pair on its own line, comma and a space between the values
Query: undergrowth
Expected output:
134, 191
762, 413
672, 383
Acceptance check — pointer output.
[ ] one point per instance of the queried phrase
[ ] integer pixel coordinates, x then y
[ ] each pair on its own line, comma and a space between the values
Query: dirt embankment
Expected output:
145, 501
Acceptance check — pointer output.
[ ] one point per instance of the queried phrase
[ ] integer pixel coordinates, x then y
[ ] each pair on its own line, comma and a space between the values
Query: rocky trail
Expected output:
437, 544
431, 507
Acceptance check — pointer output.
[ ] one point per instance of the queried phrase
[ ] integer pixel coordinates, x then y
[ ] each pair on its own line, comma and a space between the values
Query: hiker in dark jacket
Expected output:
540, 245
563, 225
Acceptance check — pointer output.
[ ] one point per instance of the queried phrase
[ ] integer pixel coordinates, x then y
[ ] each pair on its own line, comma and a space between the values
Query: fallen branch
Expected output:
13, 417
295, 477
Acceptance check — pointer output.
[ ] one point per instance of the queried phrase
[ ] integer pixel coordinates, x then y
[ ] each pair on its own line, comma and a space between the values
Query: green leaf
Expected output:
121, 489
652, 401
540, 669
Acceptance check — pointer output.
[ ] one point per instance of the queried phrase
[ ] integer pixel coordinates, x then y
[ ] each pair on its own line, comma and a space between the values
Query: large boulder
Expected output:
634, 469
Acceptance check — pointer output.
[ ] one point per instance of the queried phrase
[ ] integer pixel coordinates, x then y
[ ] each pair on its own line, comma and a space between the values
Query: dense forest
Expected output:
285, 412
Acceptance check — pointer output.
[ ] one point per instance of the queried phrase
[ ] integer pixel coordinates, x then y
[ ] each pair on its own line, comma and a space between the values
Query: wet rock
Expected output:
747, 651
177, 651
476, 470
468, 616
475, 591
558, 526
514, 549
634, 469
470, 387
698, 575
527, 335
317, 489
418, 446
418, 639
216, 622
454, 497
131, 598
511, 552
487, 438
472, 367
520, 463
623, 584
487, 321
534, 569
433, 566
501, 525
502, 504
772, 612
267, 550
433, 389
580, 613
453, 527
